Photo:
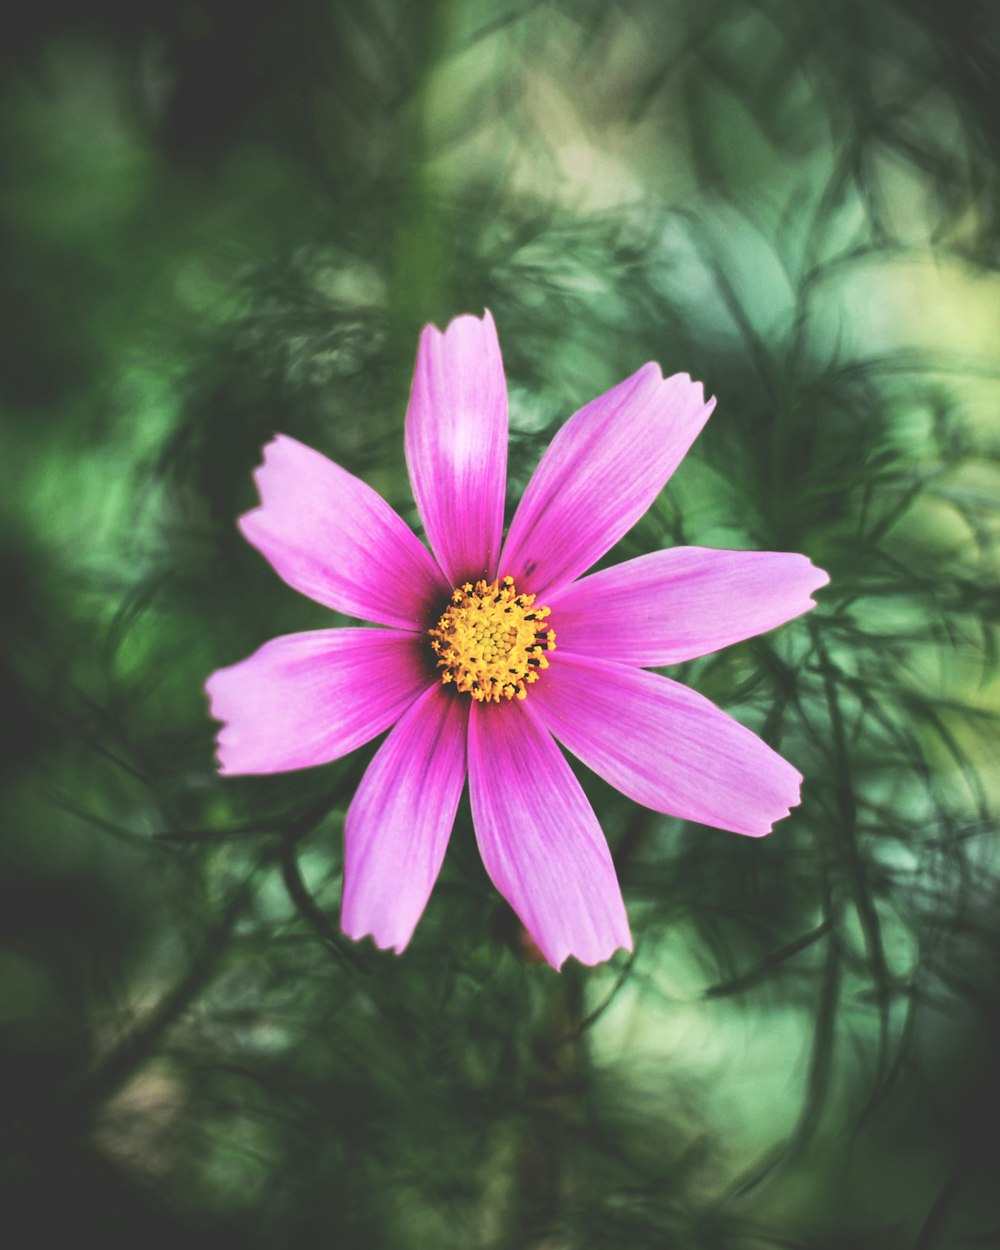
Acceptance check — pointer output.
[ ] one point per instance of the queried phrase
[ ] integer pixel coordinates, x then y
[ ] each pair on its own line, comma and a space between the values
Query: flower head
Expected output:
489, 651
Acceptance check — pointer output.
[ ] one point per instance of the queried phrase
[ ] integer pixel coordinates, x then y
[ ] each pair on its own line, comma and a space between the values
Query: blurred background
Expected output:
223, 221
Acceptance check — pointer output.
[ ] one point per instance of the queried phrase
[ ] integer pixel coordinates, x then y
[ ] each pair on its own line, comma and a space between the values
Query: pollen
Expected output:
491, 642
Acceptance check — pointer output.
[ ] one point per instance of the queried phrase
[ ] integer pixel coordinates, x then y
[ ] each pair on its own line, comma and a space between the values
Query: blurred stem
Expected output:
421, 259
544, 1173
114, 1071
850, 853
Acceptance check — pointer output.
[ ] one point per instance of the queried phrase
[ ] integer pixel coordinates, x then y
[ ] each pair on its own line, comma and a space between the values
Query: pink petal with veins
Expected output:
329, 535
456, 445
400, 820
539, 838
674, 605
306, 699
664, 745
599, 475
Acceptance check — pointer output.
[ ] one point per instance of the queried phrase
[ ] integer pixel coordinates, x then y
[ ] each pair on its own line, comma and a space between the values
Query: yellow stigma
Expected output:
491, 641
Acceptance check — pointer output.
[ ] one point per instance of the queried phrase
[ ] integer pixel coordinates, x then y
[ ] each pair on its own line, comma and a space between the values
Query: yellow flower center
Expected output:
491, 641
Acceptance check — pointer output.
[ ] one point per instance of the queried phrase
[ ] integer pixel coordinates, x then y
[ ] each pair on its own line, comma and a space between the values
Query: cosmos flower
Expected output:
489, 651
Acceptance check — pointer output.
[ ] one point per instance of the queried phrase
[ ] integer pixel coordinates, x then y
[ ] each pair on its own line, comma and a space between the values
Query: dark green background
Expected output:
224, 221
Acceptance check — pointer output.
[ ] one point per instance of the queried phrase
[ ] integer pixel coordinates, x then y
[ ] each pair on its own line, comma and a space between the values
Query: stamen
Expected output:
491, 641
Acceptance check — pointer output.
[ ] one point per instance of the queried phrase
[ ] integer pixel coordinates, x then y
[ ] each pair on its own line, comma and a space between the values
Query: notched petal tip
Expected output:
589, 959
766, 830
225, 763
215, 689
223, 692
464, 319
461, 333
383, 942
792, 580
815, 580
271, 452
682, 381
248, 523
791, 783
810, 578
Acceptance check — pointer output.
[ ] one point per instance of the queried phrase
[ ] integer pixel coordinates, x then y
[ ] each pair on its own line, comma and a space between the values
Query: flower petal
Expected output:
306, 699
400, 819
539, 838
456, 445
664, 745
599, 474
329, 535
675, 605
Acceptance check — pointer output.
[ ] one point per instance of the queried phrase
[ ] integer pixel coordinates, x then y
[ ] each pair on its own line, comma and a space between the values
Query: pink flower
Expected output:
491, 650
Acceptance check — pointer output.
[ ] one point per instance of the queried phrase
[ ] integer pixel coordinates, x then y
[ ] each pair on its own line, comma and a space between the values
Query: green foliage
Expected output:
224, 221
